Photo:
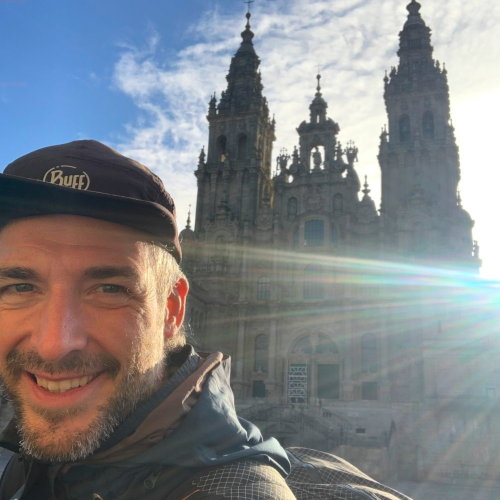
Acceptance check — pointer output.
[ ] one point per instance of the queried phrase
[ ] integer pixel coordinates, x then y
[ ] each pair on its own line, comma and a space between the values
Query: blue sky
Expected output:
138, 76
57, 61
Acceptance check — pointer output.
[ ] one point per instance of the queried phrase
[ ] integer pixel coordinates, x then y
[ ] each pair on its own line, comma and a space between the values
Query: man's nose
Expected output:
60, 328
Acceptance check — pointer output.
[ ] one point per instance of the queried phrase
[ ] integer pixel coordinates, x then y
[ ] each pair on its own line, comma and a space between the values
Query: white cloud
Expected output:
353, 42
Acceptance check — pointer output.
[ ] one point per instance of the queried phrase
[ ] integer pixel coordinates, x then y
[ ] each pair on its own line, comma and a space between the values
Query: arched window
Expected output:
291, 208
302, 346
404, 128
264, 288
326, 346
314, 233
221, 148
261, 351
428, 125
314, 285
242, 147
338, 203
369, 354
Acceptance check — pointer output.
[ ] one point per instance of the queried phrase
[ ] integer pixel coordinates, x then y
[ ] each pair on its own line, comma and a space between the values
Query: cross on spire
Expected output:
249, 2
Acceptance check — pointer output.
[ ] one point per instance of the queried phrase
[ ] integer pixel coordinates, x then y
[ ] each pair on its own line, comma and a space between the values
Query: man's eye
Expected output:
110, 295
17, 294
22, 287
18, 288
108, 288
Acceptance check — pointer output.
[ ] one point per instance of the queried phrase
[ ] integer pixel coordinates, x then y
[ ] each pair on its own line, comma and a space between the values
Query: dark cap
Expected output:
90, 179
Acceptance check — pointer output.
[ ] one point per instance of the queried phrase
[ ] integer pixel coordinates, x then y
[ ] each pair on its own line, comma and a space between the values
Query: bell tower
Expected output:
233, 203
419, 159
235, 173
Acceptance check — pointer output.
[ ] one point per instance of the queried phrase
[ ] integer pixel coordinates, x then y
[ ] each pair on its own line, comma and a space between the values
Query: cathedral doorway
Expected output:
314, 370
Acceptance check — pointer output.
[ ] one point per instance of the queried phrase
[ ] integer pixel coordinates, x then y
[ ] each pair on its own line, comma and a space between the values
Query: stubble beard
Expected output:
132, 387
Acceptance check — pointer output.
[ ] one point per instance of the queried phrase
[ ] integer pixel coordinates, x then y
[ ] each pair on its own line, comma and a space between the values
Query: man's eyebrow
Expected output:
105, 272
19, 273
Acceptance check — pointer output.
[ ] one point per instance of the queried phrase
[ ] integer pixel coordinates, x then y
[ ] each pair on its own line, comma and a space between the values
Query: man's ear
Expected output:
176, 307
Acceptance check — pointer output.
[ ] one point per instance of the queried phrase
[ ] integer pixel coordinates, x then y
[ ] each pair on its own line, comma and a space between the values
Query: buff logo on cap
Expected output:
67, 176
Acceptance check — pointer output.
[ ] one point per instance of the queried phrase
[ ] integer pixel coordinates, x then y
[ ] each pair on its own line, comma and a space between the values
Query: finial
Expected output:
318, 86
351, 152
212, 105
459, 199
248, 15
188, 222
366, 189
475, 249
282, 160
384, 134
247, 35
413, 7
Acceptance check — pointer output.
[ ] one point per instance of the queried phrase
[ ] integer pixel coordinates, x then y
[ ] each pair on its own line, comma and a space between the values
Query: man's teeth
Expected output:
62, 385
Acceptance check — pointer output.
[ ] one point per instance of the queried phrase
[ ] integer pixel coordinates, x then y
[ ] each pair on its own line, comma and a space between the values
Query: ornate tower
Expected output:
233, 204
234, 175
419, 159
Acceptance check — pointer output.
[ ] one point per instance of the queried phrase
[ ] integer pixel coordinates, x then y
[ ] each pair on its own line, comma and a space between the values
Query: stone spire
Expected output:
318, 105
244, 87
415, 39
239, 153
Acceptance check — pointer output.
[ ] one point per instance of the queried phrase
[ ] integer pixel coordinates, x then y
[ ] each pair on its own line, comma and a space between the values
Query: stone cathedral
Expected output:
345, 323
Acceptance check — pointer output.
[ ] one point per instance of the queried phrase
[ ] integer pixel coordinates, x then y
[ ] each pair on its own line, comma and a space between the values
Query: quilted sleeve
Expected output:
242, 480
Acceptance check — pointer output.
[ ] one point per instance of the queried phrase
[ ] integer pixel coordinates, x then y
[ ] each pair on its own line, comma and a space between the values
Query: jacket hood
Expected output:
204, 429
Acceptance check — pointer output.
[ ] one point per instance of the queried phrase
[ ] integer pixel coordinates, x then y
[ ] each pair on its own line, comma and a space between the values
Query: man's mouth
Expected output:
58, 386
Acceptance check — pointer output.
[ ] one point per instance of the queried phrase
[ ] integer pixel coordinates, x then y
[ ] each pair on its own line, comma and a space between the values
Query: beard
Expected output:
132, 386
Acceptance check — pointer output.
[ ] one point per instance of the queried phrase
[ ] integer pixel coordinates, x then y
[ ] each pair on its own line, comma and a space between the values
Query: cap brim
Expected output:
21, 197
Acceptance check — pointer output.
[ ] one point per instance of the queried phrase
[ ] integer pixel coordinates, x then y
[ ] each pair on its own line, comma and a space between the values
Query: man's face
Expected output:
82, 329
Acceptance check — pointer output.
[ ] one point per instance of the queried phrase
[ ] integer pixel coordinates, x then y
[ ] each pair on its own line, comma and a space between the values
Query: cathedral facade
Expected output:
341, 319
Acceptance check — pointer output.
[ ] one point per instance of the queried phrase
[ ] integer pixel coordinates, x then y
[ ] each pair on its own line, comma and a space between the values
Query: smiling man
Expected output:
110, 402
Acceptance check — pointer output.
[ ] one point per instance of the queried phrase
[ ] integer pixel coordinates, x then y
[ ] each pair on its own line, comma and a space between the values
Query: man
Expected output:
109, 401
